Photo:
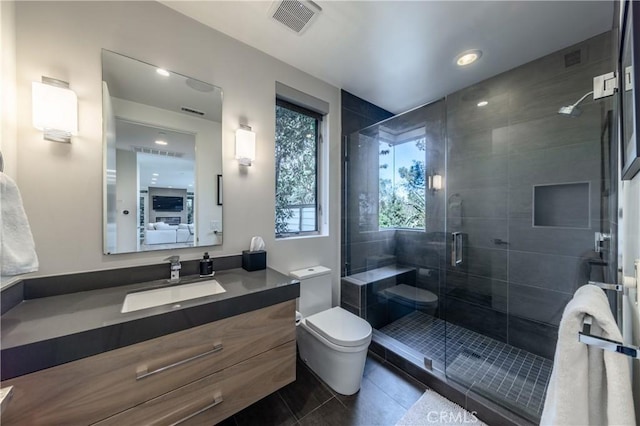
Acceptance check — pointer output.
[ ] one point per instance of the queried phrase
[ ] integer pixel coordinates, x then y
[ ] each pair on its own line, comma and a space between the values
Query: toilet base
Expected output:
341, 371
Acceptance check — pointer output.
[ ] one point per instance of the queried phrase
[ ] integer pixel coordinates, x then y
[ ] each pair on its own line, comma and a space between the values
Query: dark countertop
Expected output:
49, 331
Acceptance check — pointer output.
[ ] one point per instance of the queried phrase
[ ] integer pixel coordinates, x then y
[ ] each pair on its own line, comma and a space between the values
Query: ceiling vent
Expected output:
572, 58
146, 150
191, 111
295, 15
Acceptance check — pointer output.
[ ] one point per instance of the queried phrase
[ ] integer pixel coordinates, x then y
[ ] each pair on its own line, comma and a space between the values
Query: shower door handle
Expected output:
456, 248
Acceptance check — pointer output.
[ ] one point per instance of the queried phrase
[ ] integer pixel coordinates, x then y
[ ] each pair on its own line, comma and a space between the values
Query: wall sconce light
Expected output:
435, 182
245, 145
55, 109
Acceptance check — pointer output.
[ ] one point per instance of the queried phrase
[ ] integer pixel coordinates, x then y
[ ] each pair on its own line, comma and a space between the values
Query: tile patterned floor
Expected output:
511, 376
385, 396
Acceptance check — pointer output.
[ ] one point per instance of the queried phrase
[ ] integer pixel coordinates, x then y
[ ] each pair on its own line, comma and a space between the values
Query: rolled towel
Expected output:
18, 249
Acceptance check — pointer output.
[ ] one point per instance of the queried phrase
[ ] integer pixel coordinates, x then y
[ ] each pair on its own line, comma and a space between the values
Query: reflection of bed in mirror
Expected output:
158, 193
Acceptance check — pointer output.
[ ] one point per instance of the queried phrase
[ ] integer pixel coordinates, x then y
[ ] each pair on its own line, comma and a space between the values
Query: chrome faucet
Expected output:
175, 269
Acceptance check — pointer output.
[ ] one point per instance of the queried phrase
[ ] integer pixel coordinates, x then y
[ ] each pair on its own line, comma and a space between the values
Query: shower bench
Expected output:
361, 292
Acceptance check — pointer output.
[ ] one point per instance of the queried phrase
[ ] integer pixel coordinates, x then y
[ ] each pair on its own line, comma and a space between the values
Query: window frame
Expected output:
318, 166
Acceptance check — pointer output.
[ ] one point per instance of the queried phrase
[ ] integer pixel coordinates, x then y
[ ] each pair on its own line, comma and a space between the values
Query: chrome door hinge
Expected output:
599, 238
628, 80
605, 85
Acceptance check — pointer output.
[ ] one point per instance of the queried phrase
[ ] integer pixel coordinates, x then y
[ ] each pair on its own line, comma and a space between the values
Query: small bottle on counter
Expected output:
206, 266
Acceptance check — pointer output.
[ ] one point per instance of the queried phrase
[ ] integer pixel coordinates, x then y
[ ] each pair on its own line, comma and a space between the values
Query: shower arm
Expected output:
582, 99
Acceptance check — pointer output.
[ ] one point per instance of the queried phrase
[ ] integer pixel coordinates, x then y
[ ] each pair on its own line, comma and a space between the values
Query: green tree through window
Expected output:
402, 198
296, 158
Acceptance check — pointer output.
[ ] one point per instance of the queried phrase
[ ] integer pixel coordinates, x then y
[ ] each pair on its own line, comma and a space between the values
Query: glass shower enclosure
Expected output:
472, 220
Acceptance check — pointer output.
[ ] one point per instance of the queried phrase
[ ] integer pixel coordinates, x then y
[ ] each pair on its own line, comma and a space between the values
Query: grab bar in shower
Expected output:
586, 337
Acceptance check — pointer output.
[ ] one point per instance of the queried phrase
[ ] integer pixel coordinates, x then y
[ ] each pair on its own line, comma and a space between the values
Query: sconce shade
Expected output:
245, 146
435, 182
55, 111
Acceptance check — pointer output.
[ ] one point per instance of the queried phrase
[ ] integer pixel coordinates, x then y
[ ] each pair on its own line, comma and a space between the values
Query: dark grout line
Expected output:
319, 406
288, 408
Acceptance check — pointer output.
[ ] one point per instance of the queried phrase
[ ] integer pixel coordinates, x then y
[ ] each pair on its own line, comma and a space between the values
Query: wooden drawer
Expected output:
217, 396
94, 388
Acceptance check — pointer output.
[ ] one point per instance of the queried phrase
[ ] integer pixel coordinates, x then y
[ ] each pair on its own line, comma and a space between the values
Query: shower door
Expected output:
395, 231
529, 202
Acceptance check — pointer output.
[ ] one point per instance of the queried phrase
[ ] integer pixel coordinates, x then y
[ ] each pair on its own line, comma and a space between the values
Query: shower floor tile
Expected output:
511, 376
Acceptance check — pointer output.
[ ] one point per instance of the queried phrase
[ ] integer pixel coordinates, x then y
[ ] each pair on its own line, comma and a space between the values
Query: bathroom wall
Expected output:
356, 247
62, 183
8, 140
630, 245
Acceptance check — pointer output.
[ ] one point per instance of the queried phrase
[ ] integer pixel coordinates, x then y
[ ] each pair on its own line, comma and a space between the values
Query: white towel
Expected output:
588, 386
18, 252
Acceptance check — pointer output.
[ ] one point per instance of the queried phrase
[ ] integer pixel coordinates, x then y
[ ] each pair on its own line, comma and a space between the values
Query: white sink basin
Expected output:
172, 294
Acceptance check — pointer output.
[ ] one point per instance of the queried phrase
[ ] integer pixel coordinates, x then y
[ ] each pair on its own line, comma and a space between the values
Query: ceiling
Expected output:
139, 82
401, 54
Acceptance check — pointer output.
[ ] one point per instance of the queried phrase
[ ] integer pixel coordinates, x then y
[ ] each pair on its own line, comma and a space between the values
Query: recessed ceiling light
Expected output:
483, 103
162, 72
161, 142
154, 174
468, 57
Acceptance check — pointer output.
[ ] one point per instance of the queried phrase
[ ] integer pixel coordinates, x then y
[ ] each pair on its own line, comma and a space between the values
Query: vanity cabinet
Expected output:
199, 375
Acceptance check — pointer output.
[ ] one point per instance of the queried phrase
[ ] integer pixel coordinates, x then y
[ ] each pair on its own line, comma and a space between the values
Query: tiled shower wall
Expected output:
356, 115
516, 278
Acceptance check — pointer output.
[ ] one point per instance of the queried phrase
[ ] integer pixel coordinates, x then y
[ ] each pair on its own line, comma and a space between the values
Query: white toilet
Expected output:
332, 342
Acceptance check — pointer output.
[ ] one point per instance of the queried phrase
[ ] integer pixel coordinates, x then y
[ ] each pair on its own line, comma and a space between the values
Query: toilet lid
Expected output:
340, 327
412, 294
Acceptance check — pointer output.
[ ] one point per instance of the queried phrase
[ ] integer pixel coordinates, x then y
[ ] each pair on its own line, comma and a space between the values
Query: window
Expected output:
296, 149
402, 197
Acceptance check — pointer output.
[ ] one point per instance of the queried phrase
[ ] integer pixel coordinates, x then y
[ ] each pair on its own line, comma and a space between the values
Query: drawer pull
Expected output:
216, 401
141, 374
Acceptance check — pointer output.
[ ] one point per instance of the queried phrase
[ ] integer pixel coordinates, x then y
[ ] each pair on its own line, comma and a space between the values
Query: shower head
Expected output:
573, 110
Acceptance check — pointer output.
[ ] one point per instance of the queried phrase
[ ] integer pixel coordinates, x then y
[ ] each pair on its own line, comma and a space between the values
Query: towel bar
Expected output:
586, 337
606, 286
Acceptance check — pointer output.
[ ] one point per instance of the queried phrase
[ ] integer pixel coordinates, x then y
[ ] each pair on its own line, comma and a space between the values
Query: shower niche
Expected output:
561, 205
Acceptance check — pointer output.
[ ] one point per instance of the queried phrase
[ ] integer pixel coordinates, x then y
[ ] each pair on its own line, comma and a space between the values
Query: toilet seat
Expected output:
340, 327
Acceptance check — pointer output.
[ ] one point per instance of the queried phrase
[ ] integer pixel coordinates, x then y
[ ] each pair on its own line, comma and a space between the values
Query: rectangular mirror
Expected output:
162, 141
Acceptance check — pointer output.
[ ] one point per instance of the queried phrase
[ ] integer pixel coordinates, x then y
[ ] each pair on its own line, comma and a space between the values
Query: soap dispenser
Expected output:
206, 266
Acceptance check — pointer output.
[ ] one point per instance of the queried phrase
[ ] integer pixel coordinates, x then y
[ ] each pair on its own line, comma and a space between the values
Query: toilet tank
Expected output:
315, 289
